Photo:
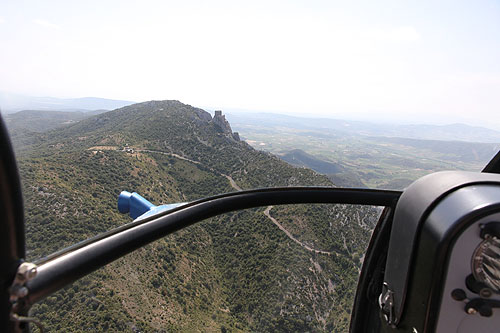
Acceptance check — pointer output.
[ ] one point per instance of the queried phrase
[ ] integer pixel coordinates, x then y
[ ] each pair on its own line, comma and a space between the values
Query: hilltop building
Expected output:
220, 121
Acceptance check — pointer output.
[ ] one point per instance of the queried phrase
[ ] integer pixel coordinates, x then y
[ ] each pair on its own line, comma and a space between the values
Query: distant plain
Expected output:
364, 154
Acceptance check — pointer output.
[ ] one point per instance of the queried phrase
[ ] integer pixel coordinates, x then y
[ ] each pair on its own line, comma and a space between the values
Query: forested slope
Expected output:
237, 272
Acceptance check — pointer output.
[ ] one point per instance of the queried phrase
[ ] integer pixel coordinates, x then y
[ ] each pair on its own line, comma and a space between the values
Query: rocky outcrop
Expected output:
223, 125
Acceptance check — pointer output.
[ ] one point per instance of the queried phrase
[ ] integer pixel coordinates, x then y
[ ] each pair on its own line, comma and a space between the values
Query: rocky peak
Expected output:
220, 121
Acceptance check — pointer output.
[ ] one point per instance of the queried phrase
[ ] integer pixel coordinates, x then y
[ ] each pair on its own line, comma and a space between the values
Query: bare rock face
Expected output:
203, 115
220, 121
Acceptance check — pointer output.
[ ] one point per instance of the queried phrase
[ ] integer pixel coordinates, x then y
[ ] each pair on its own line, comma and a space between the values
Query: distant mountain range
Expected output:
337, 127
10, 103
14, 102
41, 121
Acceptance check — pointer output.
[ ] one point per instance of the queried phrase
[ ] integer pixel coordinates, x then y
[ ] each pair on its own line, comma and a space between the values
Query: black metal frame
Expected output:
12, 246
67, 266
493, 166
365, 315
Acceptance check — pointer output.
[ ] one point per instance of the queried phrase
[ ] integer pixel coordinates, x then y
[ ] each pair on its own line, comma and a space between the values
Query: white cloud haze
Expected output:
46, 24
422, 60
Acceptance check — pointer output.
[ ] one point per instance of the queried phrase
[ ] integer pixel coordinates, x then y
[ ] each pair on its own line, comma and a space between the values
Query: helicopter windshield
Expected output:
192, 100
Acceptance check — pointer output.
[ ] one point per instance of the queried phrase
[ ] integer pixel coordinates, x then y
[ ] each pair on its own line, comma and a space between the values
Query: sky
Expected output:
388, 60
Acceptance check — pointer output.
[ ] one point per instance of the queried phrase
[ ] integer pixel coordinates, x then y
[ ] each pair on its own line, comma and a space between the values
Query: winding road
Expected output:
238, 188
307, 247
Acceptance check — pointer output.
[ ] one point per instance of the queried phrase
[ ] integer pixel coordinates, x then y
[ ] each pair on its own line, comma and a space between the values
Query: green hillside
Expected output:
41, 121
302, 159
232, 273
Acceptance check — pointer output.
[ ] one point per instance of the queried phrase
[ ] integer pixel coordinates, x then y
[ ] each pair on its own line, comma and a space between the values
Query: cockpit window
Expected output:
179, 101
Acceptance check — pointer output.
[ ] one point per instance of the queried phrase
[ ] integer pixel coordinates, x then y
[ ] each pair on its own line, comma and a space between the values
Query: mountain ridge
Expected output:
237, 272
334, 127
10, 103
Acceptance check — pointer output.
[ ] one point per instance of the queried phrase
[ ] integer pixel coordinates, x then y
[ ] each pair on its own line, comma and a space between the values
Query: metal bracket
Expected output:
18, 290
386, 304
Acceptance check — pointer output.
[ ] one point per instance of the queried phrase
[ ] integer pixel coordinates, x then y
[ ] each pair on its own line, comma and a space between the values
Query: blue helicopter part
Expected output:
140, 208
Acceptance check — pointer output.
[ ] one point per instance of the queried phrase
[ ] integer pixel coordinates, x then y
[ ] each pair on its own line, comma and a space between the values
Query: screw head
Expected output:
458, 294
26, 271
485, 292
471, 311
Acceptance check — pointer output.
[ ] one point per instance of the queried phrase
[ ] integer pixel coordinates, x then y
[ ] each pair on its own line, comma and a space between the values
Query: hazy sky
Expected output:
416, 60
